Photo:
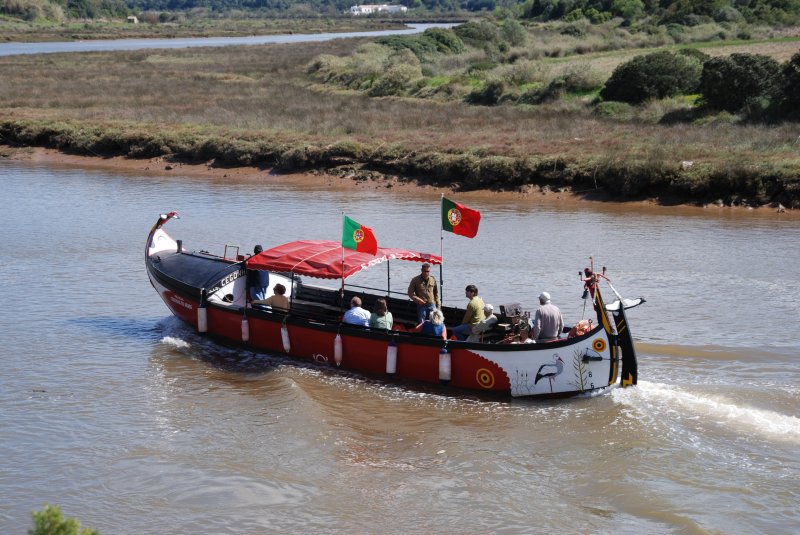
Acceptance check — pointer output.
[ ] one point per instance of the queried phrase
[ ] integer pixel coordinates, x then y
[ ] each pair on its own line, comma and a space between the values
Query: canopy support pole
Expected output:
441, 255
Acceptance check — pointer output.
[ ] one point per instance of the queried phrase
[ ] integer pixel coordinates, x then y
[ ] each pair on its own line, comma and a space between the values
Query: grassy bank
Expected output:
256, 105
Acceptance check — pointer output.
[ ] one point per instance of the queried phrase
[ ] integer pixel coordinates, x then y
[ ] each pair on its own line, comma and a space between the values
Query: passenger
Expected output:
472, 316
424, 292
547, 323
485, 325
257, 280
434, 326
381, 318
278, 299
356, 315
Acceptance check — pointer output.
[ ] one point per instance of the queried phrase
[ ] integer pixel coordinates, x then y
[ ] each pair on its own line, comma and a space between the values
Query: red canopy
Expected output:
323, 259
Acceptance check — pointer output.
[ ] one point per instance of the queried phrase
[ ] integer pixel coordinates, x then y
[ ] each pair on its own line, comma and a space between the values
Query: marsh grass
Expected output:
257, 105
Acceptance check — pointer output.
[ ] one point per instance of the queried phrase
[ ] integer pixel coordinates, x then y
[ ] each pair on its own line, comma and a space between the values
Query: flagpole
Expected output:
341, 292
441, 252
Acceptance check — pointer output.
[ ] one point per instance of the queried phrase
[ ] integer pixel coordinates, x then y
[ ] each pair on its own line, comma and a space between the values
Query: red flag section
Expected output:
459, 219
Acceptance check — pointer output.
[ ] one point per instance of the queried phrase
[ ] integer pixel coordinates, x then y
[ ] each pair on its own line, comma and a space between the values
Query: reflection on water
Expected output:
132, 421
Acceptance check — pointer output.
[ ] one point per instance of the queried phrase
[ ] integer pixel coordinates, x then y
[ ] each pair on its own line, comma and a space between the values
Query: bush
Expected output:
478, 34
514, 33
446, 41
657, 75
695, 53
398, 79
431, 41
791, 81
488, 93
618, 111
50, 521
728, 14
728, 83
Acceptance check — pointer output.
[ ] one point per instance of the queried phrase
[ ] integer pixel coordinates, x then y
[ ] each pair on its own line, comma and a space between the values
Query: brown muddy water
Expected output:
135, 424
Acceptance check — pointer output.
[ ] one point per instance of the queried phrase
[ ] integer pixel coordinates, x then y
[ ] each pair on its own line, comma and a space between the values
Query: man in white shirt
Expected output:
356, 315
547, 322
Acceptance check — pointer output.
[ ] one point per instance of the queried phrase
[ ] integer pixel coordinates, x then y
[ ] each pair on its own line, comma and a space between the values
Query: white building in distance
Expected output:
369, 9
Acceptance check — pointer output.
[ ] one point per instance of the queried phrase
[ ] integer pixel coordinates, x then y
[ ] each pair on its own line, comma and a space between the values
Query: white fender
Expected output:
245, 329
287, 346
444, 365
337, 350
202, 319
391, 358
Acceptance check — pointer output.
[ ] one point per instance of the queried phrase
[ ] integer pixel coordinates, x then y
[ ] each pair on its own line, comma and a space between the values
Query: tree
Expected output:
656, 75
729, 83
628, 9
791, 81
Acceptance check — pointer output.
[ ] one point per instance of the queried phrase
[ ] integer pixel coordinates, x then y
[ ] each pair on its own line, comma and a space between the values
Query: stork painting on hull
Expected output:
550, 371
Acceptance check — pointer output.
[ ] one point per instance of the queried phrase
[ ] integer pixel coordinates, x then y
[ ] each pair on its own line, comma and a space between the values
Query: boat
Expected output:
209, 292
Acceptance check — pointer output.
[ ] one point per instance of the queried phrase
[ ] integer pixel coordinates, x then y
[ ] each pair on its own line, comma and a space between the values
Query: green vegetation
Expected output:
791, 77
482, 106
631, 12
653, 76
489, 64
730, 83
50, 521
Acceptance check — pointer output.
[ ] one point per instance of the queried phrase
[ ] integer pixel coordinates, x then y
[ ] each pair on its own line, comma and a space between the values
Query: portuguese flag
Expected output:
358, 237
459, 219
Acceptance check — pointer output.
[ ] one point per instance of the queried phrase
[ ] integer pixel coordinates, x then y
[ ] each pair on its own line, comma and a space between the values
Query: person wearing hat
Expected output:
257, 280
547, 323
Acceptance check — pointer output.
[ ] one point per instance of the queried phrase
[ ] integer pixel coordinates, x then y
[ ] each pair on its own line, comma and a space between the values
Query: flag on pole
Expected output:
358, 237
459, 219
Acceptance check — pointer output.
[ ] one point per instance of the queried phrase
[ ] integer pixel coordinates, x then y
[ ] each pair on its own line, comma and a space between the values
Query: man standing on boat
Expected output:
257, 280
547, 322
425, 293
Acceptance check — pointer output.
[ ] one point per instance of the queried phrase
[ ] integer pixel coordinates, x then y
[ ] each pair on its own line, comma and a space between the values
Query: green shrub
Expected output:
575, 14
447, 42
728, 14
50, 521
487, 94
397, 80
514, 33
791, 81
597, 17
576, 29
695, 53
728, 83
432, 41
627, 9
618, 111
656, 75
478, 34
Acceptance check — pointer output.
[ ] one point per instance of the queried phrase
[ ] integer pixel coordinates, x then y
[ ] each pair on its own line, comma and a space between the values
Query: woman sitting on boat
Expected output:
381, 318
278, 299
434, 326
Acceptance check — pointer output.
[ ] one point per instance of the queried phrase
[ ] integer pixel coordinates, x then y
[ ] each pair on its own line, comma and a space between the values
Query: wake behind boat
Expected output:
210, 293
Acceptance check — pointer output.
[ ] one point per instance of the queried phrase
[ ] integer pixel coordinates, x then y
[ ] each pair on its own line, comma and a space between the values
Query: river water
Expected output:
135, 424
107, 45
